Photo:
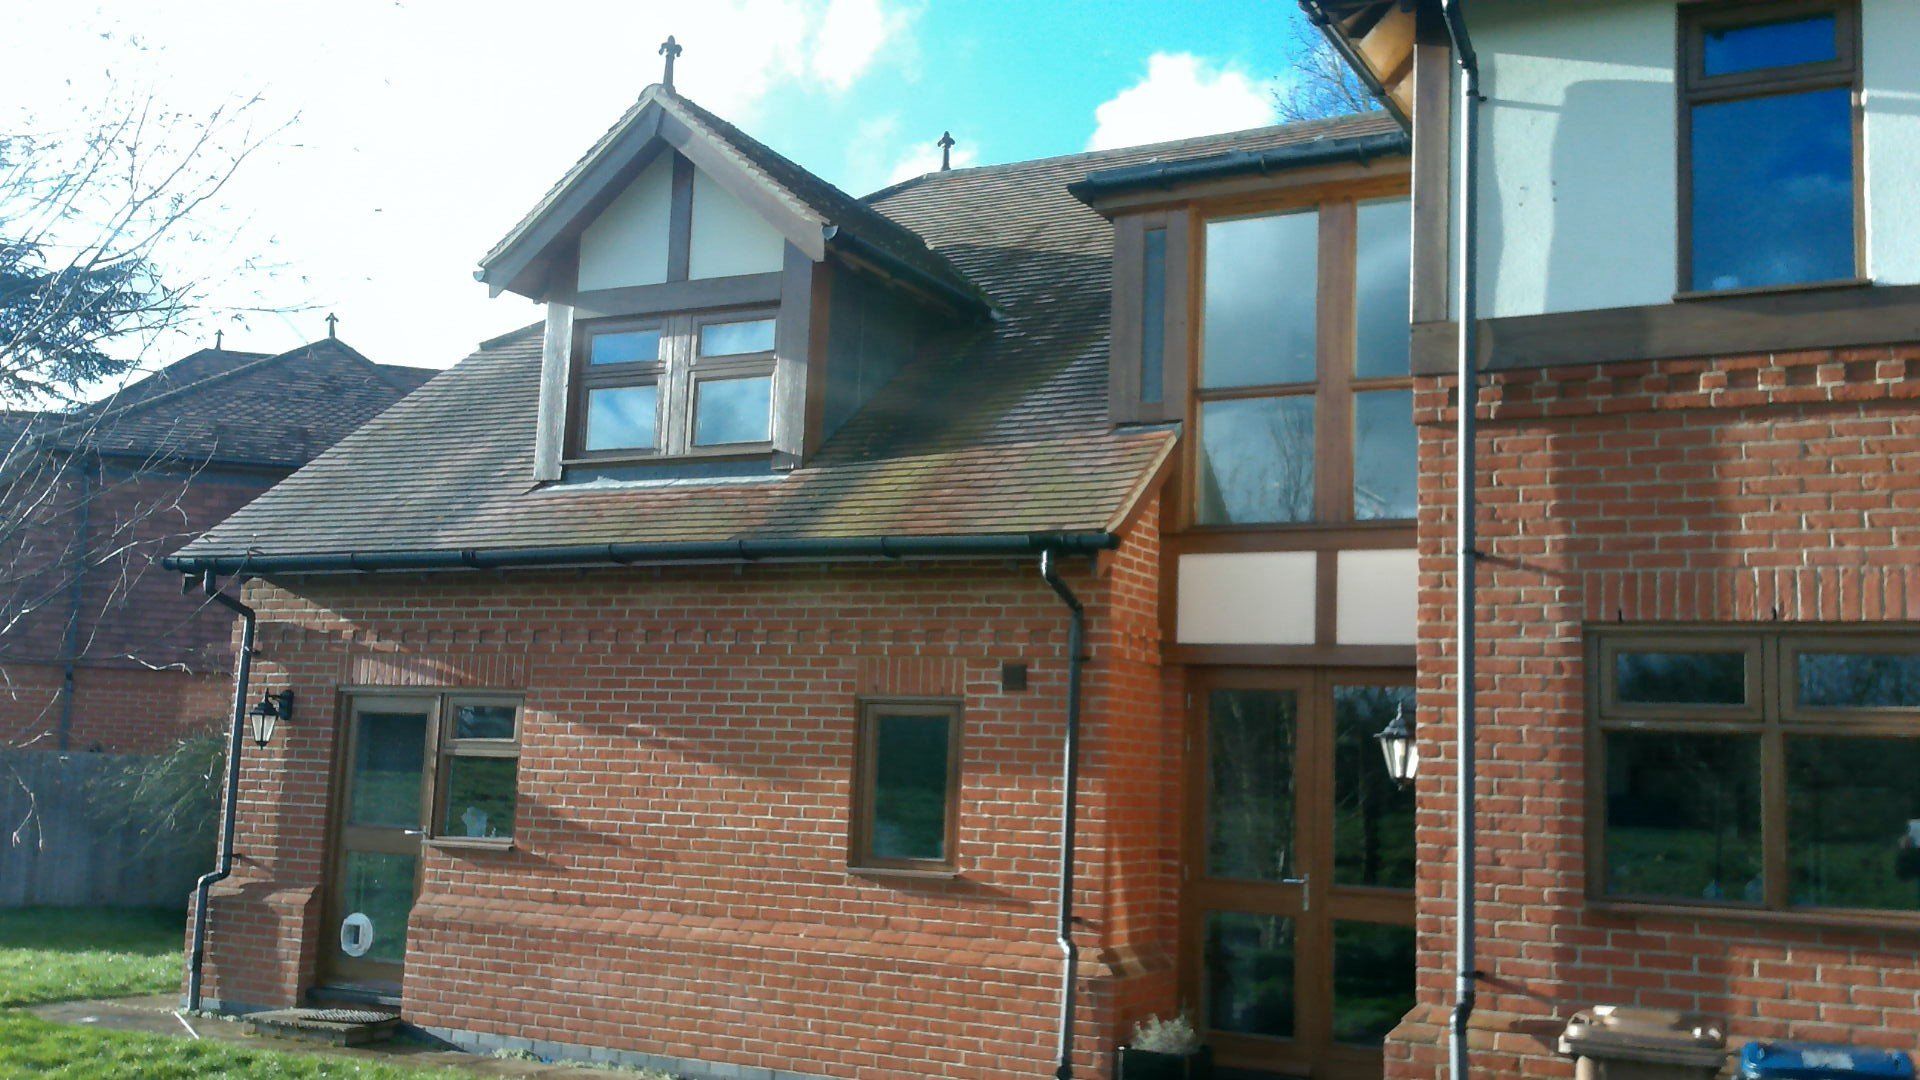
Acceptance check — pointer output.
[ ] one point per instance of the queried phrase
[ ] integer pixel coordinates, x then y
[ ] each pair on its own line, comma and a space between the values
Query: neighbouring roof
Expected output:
222, 407
838, 219
1004, 431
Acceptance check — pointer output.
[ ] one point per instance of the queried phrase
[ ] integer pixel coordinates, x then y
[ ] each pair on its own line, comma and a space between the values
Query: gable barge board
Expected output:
1782, 321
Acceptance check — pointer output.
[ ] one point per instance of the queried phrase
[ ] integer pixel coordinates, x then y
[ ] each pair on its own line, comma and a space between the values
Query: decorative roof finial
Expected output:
333, 322
946, 150
219, 336
669, 49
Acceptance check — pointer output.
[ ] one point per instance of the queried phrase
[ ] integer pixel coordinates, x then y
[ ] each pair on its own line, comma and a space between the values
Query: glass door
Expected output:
377, 833
1298, 900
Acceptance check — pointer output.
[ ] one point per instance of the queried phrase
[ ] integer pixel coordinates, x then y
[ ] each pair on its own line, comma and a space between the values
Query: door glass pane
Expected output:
622, 418
1680, 678
379, 887
1773, 190
480, 797
1853, 822
1383, 305
625, 347
1875, 680
736, 338
1373, 968
1683, 816
1249, 968
732, 411
910, 773
1261, 300
1384, 452
1372, 815
1250, 784
1256, 461
1153, 317
1735, 49
389, 756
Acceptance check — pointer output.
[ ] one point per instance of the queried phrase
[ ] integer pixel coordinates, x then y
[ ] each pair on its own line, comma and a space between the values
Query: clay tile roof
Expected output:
242, 409
1003, 430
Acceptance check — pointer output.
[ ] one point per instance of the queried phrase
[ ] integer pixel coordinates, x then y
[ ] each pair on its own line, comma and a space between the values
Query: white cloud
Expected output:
851, 33
1182, 95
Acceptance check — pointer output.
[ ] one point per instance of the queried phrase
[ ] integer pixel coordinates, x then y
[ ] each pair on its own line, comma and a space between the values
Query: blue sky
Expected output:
422, 129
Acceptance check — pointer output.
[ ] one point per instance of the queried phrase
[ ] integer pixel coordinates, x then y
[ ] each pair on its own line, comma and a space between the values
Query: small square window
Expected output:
737, 338
478, 779
625, 347
1858, 680
623, 417
907, 764
1783, 43
733, 411
474, 721
1680, 678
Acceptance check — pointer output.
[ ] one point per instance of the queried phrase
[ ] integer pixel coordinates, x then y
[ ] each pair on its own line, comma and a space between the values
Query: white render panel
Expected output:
1378, 598
1891, 69
627, 244
1257, 598
728, 238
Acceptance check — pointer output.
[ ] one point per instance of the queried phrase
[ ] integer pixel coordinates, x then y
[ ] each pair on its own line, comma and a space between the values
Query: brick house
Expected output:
682, 680
101, 650
1698, 502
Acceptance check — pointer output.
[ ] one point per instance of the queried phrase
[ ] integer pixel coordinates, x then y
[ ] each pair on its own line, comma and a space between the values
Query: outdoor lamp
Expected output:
272, 709
1396, 743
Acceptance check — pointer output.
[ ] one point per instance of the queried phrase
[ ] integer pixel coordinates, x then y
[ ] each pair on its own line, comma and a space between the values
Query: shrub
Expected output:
1171, 1036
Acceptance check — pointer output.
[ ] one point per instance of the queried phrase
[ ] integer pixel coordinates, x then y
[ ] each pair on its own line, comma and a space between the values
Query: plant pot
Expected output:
1132, 1064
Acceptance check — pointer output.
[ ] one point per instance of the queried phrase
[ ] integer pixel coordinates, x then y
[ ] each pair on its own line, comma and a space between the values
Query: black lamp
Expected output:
1397, 745
272, 709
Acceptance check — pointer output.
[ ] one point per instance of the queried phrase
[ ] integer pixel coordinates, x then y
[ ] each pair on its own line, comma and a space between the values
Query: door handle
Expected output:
413, 832
1305, 881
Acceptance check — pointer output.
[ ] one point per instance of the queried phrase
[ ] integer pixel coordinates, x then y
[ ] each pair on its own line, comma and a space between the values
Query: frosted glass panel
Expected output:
627, 243
728, 238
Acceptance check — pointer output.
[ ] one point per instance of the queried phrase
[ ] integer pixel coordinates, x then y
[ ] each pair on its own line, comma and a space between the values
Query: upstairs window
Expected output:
1769, 166
678, 385
1303, 407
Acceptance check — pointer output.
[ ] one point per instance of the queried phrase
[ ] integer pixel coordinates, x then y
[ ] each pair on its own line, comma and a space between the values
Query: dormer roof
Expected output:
813, 215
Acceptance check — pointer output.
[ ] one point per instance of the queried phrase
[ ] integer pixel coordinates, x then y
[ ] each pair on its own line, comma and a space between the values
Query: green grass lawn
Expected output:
59, 954
54, 954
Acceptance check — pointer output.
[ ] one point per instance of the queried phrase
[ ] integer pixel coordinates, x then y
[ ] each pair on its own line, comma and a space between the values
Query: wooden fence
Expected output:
58, 849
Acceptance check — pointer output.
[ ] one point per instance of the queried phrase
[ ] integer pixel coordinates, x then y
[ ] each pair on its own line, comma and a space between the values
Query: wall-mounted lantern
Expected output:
1397, 745
272, 709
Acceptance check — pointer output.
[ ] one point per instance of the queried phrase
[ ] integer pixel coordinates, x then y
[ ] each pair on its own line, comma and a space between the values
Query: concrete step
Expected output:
332, 1027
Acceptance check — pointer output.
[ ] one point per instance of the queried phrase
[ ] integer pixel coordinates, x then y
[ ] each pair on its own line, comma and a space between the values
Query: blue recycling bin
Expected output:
1817, 1061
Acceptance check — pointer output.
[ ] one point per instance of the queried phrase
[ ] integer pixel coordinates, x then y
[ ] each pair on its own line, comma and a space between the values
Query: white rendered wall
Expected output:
1259, 598
1379, 597
1579, 203
728, 238
627, 243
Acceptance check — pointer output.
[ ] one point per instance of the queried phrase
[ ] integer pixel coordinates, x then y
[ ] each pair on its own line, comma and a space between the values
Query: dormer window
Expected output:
674, 385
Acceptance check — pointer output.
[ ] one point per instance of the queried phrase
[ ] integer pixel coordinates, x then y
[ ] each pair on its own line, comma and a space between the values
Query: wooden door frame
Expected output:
1312, 1050
332, 969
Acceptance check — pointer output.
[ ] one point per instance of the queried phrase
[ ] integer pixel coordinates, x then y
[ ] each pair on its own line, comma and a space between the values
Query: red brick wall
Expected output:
152, 664
1733, 490
678, 885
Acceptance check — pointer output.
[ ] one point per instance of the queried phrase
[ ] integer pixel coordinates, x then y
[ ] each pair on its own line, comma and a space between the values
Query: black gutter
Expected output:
1069, 802
967, 301
1165, 175
853, 547
1317, 15
243, 669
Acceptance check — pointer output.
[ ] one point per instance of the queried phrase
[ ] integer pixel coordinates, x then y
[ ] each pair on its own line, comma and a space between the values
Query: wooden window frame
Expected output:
1336, 386
446, 747
1127, 398
1697, 88
677, 375
1774, 718
860, 857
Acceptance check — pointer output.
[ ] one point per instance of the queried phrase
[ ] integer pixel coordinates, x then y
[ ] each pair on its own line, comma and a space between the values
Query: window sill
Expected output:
463, 843
943, 874
1818, 920
1772, 290
637, 457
